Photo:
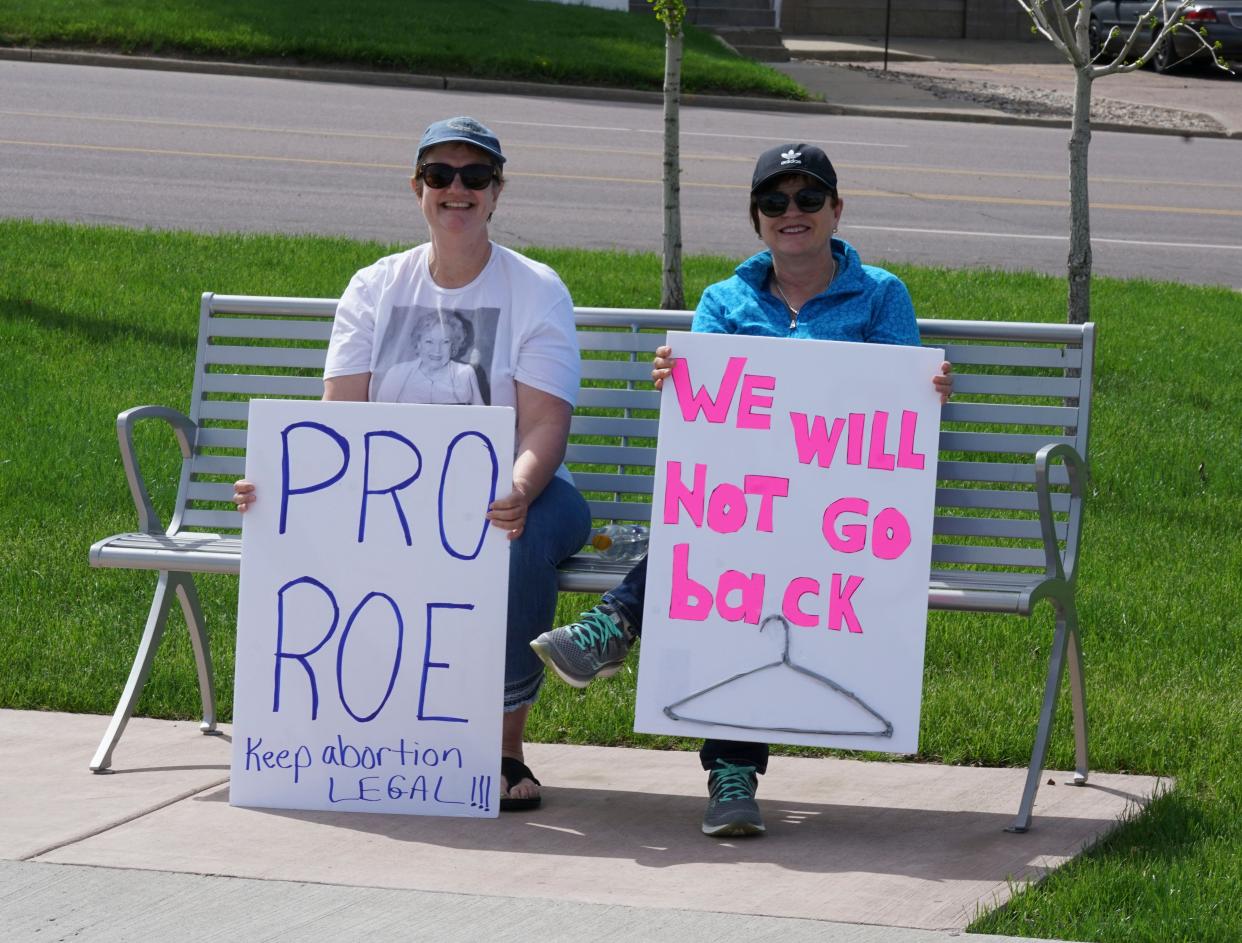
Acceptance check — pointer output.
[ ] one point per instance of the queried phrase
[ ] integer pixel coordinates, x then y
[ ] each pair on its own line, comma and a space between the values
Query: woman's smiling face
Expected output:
796, 231
436, 346
456, 208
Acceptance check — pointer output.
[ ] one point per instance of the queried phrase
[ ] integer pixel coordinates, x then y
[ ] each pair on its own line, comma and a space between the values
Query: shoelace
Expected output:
732, 782
594, 629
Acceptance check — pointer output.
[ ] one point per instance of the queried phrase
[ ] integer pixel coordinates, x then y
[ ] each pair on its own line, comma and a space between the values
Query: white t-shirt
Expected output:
514, 322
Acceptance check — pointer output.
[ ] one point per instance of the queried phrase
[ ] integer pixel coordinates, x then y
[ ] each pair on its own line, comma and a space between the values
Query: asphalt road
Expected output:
221, 153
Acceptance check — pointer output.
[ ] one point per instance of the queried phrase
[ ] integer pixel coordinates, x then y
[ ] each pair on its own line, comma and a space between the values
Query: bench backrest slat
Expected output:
263, 385
211, 520
628, 511
227, 410
614, 398
1056, 358
310, 358
1018, 386
614, 426
210, 491
642, 344
999, 472
270, 329
214, 438
997, 442
641, 456
993, 527
1005, 414
629, 370
230, 466
985, 499
992, 556
607, 481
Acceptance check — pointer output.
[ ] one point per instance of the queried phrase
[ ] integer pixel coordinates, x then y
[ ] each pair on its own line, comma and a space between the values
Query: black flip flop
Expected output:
514, 771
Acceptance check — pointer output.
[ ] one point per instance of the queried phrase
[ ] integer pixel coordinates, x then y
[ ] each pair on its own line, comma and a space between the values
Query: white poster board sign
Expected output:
371, 611
791, 543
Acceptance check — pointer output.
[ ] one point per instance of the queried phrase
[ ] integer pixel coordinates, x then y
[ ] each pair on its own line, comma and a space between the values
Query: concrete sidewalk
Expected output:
859, 852
847, 72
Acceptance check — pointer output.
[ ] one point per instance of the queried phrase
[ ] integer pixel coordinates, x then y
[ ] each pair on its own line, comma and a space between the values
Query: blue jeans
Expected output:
557, 525
627, 598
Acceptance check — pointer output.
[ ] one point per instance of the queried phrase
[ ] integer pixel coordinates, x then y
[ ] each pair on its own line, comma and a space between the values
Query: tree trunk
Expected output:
671, 292
1079, 310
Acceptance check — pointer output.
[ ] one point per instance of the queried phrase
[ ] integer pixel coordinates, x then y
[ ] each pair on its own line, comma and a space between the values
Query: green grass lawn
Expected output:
500, 39
95, 320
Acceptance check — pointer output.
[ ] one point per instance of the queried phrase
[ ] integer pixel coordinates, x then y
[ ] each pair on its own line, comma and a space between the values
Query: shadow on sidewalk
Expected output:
654, 830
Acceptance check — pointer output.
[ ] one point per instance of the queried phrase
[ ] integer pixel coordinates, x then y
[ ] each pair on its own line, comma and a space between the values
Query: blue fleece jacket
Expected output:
863, 303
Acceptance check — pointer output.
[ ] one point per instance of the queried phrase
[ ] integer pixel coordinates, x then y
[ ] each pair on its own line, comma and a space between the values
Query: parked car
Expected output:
1213, 21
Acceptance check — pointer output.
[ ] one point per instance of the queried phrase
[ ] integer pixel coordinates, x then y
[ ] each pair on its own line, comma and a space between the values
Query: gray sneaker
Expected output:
731, 807
593, 647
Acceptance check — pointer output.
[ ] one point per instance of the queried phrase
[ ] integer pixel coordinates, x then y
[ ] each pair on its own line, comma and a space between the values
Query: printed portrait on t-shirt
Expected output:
436, 355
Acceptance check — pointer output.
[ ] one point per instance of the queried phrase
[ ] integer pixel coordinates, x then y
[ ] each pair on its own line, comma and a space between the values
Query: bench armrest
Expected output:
1076, 468
186, 432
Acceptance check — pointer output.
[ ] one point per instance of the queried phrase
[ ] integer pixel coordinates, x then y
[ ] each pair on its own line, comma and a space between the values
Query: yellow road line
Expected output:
1025, 201
166, 152
632, 152
210, 126
884, 194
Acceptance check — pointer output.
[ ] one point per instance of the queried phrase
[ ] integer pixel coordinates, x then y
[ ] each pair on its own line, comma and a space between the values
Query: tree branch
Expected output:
1035, 10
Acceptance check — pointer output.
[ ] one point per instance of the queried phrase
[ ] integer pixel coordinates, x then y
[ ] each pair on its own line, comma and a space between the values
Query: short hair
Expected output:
460, 332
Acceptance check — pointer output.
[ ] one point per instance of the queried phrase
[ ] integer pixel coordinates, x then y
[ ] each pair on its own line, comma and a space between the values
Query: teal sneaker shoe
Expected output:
593, 647
731, 807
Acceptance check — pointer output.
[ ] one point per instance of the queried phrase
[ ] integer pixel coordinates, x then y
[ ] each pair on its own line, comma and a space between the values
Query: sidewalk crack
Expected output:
124, 820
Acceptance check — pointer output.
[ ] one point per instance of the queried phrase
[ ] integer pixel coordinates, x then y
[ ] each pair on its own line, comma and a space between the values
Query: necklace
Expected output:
793, 312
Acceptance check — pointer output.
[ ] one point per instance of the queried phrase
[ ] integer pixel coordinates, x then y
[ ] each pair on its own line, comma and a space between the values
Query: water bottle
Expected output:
620, 543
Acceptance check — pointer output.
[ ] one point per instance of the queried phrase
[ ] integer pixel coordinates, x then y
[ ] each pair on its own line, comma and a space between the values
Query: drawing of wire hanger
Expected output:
886, 731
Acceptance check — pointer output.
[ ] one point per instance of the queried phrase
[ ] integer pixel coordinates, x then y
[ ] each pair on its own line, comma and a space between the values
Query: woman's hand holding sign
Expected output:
944, 382
243, 494
661, 366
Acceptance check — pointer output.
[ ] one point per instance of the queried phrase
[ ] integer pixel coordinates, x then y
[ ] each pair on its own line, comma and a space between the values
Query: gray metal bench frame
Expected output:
1008, 503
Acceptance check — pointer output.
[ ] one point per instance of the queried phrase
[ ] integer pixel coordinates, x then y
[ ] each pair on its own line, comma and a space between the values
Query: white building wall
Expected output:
602, 4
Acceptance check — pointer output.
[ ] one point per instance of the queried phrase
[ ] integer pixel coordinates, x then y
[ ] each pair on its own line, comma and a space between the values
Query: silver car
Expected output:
1216, 22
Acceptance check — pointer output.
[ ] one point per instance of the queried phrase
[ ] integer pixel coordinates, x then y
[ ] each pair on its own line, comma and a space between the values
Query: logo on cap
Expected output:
791, 157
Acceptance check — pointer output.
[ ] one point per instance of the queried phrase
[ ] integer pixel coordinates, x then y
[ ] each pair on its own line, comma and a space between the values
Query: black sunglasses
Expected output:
474, 176
774, 202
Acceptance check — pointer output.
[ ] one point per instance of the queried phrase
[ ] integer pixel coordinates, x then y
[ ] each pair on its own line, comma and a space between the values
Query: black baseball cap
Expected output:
793, 159
463, 129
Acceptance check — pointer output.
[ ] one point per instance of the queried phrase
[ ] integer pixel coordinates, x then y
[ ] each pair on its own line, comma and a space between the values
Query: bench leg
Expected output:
156, 620
182, 585
1047, 711
1078, 697
197, 625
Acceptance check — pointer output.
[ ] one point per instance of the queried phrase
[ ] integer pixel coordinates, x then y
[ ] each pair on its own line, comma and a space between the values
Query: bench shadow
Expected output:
660, 831
223, 767
98, 329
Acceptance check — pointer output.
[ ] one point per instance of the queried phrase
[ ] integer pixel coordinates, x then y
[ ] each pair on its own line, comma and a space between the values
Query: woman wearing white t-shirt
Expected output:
460, 319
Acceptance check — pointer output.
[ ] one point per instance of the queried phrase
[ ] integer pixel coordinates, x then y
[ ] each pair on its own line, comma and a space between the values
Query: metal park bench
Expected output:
1008, 503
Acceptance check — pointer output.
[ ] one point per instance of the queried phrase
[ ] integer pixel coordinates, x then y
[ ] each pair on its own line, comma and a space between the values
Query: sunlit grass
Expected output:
499, 39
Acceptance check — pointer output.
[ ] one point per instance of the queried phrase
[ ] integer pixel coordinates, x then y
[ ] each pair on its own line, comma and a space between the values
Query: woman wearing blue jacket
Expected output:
806, 284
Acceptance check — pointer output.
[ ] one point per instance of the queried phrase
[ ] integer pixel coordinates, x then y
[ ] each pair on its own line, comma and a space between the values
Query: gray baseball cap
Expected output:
463, 129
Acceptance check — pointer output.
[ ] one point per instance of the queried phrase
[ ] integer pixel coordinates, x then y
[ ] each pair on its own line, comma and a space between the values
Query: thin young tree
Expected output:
1067, 25
672, 13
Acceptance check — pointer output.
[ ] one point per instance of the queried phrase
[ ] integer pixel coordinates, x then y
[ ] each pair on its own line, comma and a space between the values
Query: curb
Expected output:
499, 86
